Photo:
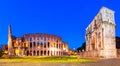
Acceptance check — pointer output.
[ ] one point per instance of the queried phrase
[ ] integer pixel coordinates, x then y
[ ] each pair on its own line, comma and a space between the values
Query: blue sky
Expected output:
65, 18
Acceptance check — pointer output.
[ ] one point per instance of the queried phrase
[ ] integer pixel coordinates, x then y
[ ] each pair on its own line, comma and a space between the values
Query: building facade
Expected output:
100, 35
36, 44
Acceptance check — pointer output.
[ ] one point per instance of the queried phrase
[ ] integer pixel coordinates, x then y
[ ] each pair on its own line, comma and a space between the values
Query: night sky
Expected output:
65, 18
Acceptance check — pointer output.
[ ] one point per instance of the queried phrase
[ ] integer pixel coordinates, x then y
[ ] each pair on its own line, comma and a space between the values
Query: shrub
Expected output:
1, 53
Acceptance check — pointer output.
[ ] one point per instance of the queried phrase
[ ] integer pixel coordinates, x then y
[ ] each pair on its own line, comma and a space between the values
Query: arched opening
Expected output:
45, 45
45, 52
48, 53
34, 44
57, 45
48, 44
57, 53
30, 39
27, 53
34, 52
51, 53
41, 53
37, 53
100, 44
93, 43
30, 44
30, 53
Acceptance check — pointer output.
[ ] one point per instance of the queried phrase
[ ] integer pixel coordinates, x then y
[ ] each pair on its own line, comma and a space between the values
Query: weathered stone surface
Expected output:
36, 44
100, 35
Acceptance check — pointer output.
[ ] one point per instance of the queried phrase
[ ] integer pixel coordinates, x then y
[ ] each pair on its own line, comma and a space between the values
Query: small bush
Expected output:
1, 53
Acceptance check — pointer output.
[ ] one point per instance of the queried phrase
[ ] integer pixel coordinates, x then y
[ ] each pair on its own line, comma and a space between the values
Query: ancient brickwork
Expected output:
37, 44
100, 35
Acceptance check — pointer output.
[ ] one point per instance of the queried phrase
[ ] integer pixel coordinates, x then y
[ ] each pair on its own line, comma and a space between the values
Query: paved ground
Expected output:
110, 62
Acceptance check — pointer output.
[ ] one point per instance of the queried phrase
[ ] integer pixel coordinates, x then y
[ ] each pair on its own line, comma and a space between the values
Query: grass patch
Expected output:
46, 59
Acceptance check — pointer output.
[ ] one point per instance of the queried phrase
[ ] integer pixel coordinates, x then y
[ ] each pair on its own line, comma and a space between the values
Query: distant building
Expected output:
37, 44
100, 35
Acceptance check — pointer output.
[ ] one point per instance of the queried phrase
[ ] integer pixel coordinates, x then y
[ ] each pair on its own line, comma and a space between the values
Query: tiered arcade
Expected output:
38, 44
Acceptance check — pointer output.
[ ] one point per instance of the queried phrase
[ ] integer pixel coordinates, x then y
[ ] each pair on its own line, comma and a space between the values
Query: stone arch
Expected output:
34, 52
34, 44
30, 53
93, 43
27, 53
99, 44
37, 53
45, 52
56, 53
48, 44
41, 52
51, 53
48, 53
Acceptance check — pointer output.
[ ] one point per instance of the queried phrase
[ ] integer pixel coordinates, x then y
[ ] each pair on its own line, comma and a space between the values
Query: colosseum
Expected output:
36, 44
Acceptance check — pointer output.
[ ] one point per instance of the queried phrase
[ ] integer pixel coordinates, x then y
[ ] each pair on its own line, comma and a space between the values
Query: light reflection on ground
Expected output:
112, 62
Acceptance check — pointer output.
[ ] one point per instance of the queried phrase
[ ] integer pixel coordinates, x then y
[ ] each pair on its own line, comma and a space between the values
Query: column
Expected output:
55, 53
36, 48
58, 53
46, 52
50, 48
32, 49
43, 47
39, 52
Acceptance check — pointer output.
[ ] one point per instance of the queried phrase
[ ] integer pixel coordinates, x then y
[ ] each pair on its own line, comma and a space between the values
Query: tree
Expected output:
83, 47
1, 52
117, 42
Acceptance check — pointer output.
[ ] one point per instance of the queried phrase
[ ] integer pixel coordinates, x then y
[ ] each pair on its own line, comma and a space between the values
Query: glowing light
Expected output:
52, 49
64, 48
16, 51
5, 51
38, 47
27, 44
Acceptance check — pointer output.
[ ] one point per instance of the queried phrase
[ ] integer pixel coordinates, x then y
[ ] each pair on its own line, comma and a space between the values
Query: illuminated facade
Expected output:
36, 45
100, 35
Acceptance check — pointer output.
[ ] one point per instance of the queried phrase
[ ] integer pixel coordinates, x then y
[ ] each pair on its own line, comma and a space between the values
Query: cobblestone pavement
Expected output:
110, 62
